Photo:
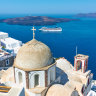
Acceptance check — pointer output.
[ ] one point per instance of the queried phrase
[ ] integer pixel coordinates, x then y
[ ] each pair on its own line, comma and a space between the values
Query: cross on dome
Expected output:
34, 32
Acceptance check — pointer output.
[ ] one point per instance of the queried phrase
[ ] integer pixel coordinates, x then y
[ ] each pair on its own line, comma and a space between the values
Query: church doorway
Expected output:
36, 80
20, 77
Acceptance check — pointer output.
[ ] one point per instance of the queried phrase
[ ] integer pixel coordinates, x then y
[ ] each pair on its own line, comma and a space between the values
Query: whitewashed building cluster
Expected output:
10, 44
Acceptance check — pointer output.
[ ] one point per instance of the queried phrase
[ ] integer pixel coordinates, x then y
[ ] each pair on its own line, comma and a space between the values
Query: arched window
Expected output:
36, 80
20, 77
79, 65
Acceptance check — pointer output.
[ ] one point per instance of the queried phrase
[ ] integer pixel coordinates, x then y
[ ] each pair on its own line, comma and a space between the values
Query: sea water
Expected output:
80, 33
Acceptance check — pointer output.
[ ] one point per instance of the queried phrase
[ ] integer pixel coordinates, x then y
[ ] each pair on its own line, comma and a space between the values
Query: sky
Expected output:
47, 6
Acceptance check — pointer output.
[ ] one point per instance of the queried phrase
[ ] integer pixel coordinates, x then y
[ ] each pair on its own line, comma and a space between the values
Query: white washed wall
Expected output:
41, 78
23, 76
33, 94
51, 71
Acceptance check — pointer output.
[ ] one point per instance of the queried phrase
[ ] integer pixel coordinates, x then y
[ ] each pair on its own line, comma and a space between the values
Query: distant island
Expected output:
35, 20
91, 15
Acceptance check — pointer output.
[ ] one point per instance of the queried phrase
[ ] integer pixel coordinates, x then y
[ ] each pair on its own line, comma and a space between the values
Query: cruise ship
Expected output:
51, 29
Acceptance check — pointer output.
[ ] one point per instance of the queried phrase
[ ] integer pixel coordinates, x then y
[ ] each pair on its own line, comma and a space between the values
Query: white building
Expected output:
6, 59
93, 89
9, 43
3, 35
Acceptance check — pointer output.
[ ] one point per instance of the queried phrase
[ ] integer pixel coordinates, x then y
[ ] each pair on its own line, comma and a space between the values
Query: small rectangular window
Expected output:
7, 62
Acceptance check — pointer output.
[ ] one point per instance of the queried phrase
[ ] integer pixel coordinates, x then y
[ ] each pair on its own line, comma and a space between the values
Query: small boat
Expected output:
51, 29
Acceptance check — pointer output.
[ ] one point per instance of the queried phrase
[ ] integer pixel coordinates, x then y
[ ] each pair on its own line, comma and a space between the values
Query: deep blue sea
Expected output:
81, 33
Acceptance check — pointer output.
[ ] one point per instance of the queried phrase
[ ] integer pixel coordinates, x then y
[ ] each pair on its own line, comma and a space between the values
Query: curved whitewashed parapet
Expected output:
64, 64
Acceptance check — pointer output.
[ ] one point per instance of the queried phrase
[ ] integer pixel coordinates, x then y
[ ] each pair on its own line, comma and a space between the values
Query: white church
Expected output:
34, 73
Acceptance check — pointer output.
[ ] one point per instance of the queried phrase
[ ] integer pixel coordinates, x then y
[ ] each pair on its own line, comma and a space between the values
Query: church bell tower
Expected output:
81, 62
